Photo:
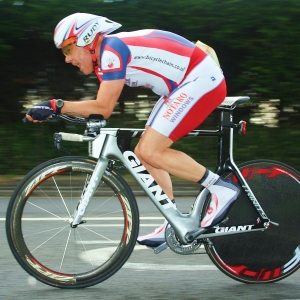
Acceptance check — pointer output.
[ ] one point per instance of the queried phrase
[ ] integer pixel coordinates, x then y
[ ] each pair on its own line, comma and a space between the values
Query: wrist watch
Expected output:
59, 105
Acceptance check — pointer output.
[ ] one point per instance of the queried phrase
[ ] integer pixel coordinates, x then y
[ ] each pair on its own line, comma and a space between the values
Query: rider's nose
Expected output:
68, 59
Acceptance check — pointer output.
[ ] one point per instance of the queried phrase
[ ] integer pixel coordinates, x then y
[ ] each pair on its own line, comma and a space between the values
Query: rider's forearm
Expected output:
85, 108
107, 97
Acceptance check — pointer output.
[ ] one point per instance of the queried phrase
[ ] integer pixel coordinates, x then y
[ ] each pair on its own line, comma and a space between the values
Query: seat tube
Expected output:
220, 157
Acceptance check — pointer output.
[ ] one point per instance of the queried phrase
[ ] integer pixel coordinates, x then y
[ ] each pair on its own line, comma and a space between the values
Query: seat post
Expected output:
224, 139
219, 168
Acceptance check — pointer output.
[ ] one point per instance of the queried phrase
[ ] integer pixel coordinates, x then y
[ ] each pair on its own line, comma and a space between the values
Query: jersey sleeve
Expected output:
115, 56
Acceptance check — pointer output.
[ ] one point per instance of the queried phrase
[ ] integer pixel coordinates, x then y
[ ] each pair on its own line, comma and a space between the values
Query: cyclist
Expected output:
190, 84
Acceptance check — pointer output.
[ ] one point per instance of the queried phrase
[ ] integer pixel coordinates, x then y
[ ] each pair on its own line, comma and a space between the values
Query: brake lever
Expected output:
57, 139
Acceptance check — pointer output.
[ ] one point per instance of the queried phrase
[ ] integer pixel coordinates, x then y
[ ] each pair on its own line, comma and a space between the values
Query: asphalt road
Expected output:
146, 275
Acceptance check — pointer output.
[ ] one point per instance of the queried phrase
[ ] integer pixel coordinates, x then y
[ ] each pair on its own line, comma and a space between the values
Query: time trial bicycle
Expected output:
72, 222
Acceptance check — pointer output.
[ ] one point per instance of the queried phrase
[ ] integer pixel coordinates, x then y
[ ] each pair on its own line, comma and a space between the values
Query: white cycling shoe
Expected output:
223, 195
155, 238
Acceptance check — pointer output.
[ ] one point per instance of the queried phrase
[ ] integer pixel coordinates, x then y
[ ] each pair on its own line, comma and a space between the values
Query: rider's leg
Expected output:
175, 116
165, 161
161, 176
154, 149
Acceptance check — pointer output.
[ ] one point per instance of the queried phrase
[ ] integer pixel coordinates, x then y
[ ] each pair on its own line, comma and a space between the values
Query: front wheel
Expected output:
272, 254
39, 216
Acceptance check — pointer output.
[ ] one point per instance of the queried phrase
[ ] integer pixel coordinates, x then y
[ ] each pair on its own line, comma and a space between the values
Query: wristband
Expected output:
59, 105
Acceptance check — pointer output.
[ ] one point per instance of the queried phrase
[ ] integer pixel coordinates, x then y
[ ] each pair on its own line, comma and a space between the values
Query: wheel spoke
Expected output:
47, 211
47, 240
85, 250
98, 234
101, 204
49, 248
54, 203
43, 231
62, 199
64, 253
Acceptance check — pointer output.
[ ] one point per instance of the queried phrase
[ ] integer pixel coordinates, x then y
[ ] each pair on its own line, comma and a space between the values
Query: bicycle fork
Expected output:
88, 192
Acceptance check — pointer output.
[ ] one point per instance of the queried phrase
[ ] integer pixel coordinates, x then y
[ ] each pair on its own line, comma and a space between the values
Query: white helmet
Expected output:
83, 28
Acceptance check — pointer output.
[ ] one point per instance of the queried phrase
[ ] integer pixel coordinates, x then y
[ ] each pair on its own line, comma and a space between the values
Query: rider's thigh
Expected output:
151, 144
191, 103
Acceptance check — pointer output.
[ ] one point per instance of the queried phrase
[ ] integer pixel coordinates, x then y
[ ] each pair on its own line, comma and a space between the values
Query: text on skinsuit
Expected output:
162, 61
177, 106
148, 180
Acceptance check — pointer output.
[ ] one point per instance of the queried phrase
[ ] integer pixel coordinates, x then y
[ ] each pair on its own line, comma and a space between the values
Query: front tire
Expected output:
39, 216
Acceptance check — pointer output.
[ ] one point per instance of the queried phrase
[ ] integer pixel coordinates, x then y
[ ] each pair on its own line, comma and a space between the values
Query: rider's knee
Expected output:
142, 153
145, 154
137, 151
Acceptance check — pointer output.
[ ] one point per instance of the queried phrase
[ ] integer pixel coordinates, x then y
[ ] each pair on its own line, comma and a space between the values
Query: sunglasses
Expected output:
67, 46
67, 50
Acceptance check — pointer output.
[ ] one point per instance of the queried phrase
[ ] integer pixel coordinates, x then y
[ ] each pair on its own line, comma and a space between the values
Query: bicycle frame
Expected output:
41, 211
105, 148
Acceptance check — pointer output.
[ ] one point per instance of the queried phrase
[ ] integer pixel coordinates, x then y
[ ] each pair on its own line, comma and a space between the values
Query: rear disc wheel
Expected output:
272, 254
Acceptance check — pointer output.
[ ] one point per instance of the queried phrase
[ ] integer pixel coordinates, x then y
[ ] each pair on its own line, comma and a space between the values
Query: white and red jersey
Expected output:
156, 59
189, 81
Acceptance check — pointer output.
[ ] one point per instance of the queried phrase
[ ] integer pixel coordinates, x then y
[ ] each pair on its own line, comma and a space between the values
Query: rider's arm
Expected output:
108, 94
114, 59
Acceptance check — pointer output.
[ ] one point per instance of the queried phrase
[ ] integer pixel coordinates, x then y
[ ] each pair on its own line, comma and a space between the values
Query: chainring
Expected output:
176, 246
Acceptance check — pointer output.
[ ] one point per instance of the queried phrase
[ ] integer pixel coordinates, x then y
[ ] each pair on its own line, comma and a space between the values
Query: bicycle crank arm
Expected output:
190, 236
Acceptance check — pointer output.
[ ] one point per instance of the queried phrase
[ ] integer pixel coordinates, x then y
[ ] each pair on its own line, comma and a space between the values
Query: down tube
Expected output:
181, 223
139, 172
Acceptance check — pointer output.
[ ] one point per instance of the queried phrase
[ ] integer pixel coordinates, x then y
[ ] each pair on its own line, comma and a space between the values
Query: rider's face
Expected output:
81, 58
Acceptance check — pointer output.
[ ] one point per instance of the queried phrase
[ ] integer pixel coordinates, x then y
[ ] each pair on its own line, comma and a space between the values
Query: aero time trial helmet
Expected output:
82, 28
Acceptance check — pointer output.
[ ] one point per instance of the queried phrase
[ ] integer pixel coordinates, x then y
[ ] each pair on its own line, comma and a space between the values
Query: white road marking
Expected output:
99, 256
93, 219
94, 242
160, 267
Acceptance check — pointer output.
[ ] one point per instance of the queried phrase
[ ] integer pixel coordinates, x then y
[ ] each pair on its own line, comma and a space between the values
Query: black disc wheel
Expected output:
261, 256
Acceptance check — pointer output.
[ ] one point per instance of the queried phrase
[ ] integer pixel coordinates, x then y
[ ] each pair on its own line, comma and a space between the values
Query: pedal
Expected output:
160, 248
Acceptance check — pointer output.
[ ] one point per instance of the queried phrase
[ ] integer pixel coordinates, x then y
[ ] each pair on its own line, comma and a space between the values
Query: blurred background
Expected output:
257, 43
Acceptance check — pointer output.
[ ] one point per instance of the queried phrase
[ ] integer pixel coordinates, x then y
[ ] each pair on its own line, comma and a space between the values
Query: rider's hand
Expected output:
42, 111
